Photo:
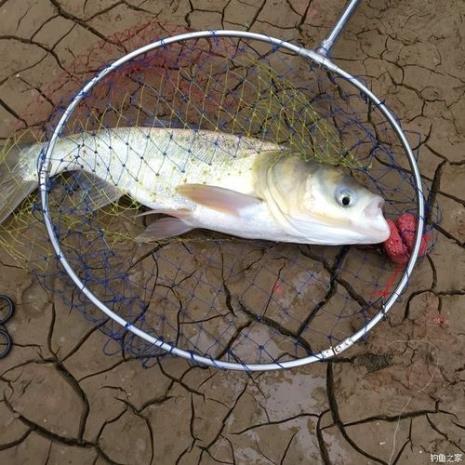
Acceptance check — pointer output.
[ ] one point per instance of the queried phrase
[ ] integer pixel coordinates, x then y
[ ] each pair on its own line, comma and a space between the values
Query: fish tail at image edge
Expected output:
14, 187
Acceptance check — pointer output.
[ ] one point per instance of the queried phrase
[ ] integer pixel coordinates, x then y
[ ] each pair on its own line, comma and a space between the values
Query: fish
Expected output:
200, 179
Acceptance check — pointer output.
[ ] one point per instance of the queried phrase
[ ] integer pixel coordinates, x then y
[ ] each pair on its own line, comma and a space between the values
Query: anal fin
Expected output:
178, 213
163, 228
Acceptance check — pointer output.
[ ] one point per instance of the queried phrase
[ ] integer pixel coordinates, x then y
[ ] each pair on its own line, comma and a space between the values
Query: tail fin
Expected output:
17, 178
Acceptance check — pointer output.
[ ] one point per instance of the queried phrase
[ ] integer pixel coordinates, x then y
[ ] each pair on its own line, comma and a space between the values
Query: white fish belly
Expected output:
255, 222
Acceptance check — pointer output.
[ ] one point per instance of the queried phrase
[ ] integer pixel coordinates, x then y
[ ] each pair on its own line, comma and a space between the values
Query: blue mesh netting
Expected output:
245, 301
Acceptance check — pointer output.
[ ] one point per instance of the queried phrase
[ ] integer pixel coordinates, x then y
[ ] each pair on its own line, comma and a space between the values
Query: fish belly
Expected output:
254, 222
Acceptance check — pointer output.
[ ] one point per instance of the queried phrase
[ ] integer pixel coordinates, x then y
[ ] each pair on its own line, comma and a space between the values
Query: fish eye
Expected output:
345, 197
346, 200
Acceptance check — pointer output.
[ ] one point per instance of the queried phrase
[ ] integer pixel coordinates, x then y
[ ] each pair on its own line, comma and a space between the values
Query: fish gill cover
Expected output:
246, 301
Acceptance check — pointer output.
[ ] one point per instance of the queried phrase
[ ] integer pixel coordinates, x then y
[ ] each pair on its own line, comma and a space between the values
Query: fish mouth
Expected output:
372, 225
375, 226
374, 208
376, 230
380, 233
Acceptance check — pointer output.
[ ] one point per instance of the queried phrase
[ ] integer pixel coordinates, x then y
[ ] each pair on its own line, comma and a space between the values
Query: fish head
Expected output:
321, 204
346, 211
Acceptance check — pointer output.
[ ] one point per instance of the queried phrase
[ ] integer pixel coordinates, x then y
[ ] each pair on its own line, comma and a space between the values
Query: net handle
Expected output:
44, 165
327, 44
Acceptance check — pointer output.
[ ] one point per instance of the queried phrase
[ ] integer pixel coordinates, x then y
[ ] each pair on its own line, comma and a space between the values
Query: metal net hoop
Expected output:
323, 63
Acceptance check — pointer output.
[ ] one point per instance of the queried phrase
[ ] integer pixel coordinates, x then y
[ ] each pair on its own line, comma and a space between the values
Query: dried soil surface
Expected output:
397, 398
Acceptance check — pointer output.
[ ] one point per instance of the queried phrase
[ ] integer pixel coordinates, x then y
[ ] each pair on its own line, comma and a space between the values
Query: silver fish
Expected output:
203, 179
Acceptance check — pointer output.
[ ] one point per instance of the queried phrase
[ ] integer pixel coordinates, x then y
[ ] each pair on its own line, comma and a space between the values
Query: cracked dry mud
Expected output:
396, 398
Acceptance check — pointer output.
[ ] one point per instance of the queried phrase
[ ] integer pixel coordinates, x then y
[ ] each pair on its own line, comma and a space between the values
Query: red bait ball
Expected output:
394, 246
407, 226
399, 245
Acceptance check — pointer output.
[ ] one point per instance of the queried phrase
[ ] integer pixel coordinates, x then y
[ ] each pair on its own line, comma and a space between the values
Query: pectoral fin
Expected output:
217, 198
163, 229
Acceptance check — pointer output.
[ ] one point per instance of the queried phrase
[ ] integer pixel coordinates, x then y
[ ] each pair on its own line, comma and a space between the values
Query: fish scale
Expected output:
149, 163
